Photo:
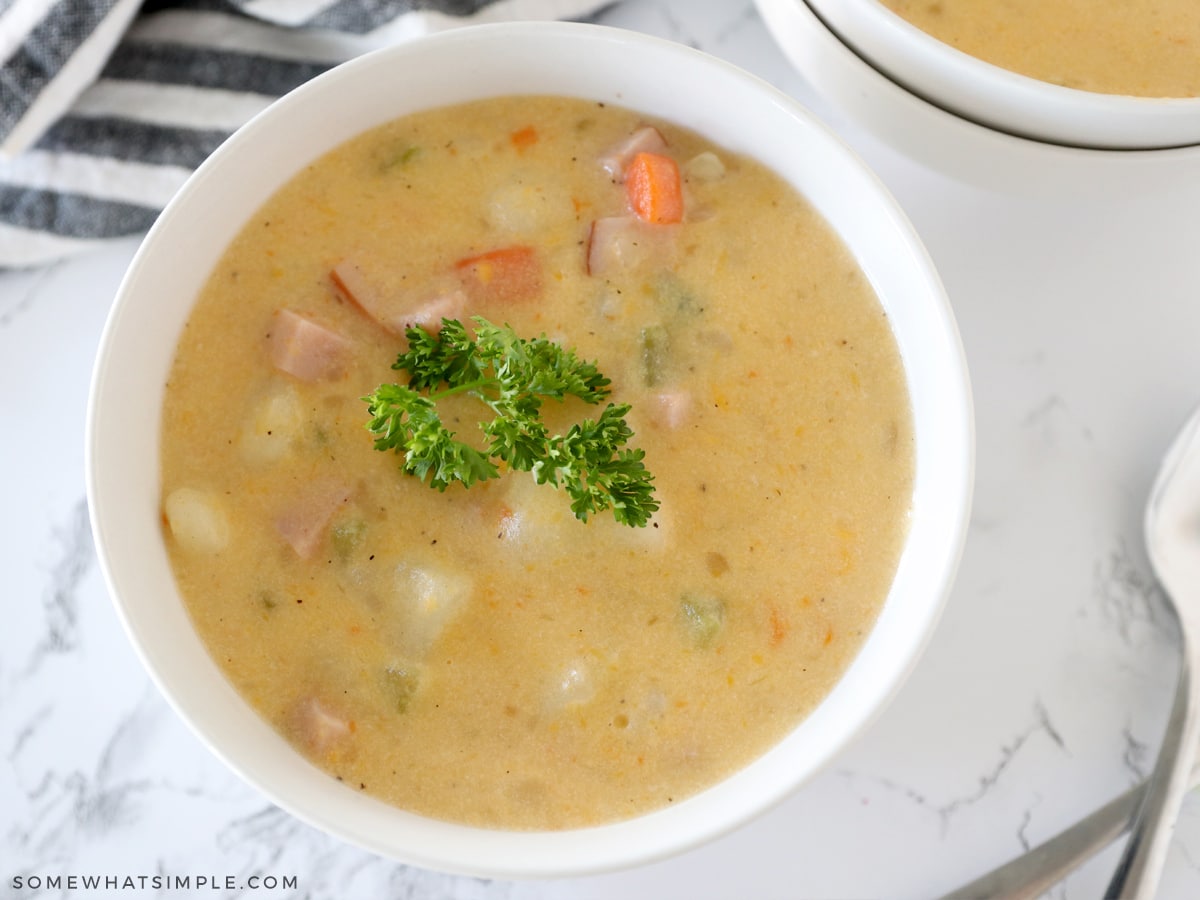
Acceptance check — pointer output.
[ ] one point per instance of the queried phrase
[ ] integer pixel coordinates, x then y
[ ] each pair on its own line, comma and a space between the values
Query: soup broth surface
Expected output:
479, 654
1142, 48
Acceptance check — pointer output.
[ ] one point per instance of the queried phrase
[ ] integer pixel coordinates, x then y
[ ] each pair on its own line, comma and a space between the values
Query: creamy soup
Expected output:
480, 654
1144, 48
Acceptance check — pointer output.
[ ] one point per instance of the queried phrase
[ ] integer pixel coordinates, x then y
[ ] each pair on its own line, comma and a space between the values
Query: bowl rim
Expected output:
1017, 104
277, 771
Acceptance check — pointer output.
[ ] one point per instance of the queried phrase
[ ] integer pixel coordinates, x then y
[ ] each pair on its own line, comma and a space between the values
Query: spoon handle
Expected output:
1138, 873
1032, 874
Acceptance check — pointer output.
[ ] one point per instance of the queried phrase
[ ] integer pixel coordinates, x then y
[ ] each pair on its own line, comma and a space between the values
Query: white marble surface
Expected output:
1043, 694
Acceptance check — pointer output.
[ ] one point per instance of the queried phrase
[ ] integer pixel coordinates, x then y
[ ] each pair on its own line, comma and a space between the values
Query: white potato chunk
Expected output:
652, 538
274, 424
197, 520
422, 602
528, 207
539, 516
706, 166
539, 521
574, 684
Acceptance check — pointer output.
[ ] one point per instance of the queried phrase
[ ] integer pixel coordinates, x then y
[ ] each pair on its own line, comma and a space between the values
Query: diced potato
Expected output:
516, 208
573, 685
197, 520
422, 602
536, 515
274, 425
706, 166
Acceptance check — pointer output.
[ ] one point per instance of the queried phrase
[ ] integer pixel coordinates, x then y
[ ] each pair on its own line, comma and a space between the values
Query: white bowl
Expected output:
990, 95
948, 143
1003, 100
649, 74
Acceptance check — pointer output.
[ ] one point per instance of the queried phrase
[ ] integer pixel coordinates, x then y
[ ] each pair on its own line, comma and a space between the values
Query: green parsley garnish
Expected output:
512, 376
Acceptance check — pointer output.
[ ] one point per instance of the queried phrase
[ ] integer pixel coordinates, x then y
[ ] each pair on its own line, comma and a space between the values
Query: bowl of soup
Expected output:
950, 144
513, 467
1107, 76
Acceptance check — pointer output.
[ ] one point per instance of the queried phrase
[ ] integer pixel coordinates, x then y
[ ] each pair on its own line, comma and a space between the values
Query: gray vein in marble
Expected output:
77, 806
25, 733
676, 30
270, 828
1048, 415
1026, 821
747, 16
271, 840
1041, 724
23, 299
1187, 856
60, 598
1129, 596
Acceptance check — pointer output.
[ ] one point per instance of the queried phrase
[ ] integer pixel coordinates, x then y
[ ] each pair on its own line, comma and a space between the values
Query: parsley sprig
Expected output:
512, 376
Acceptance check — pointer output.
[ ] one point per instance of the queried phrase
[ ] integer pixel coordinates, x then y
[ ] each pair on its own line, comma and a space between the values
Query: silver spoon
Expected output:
1173, 541
1036, 871
1172, 528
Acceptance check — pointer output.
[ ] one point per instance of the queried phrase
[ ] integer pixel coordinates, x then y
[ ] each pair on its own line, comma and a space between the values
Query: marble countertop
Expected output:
1043, 694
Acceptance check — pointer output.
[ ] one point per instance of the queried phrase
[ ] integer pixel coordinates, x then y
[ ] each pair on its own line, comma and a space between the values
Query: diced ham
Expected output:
396, 312
617, 243
304, 349
304, 522
646, 139
316, 727
450, 305
356, 287
504, 275
670, 409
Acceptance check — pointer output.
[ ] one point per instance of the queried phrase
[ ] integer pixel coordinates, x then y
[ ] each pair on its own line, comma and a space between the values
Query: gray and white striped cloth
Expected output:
106, 106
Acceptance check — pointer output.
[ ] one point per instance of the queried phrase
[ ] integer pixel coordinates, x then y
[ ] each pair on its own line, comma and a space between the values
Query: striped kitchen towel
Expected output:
106, 106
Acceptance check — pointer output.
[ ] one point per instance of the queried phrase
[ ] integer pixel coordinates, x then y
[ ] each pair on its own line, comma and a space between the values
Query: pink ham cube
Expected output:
304, 349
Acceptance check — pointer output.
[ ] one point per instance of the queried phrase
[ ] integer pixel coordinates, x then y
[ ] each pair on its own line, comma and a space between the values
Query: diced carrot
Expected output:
524, 138
503, 275
647, 138
779, 627
654, 189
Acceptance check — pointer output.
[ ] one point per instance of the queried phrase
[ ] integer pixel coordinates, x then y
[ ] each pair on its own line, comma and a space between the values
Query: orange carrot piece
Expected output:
779, 627
524, 138
503, 275
654, 189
